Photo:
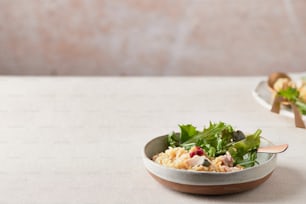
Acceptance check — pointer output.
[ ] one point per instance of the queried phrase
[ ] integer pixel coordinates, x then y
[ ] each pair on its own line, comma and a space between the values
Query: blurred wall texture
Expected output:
152, 37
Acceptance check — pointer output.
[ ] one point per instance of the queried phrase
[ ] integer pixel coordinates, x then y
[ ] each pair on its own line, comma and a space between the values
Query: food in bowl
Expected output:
217, 148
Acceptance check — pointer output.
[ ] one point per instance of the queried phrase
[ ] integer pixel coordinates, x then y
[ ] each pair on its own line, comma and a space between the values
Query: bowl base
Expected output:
212, 190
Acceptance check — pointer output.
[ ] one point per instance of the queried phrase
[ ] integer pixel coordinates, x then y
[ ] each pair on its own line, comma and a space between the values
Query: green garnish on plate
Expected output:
293, 95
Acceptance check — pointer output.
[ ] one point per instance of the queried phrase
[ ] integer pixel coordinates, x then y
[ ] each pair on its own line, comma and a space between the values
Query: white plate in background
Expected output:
264, 96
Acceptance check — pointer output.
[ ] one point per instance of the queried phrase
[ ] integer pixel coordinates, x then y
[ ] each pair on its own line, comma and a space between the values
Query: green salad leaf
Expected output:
302, 106
292, 95
217, 139
244, 151
187, 132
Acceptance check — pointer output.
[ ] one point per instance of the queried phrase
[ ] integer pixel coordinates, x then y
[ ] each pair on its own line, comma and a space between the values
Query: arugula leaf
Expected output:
187, 131
213, 139
173, 140
249, 159
243, 150
209, 134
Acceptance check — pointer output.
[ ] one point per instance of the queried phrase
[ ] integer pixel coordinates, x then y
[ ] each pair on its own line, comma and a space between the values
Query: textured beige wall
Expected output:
152, 37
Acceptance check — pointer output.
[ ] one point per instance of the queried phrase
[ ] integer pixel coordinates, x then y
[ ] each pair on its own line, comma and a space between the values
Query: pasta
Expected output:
180, 158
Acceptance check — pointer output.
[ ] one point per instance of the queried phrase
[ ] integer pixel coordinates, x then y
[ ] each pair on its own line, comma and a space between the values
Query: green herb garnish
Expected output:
292, 95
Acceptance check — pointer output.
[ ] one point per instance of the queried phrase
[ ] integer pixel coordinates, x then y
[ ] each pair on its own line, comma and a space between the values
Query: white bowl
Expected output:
207, 183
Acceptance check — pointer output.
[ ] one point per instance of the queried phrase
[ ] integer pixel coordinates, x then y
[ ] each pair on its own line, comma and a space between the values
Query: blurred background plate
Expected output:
264, 95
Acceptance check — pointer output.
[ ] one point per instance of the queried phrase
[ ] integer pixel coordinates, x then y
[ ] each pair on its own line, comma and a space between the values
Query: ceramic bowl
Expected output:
207, 183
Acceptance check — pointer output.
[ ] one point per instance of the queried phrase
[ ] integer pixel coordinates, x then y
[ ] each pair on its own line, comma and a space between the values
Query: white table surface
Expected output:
79, 140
